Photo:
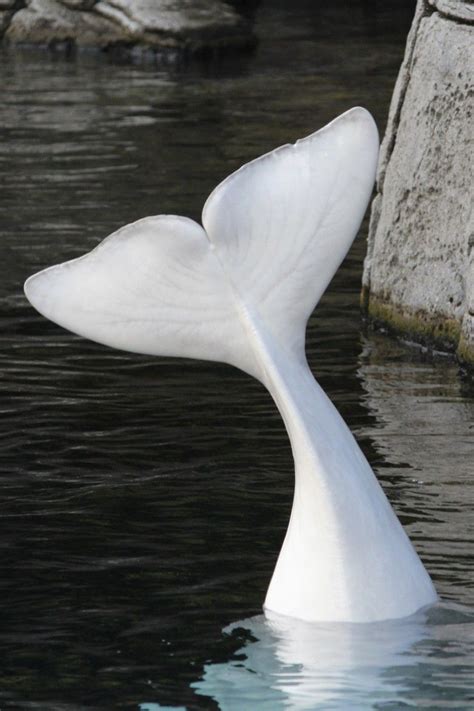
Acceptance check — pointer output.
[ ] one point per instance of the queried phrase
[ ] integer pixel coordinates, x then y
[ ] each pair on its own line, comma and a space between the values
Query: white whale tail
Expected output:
240, 291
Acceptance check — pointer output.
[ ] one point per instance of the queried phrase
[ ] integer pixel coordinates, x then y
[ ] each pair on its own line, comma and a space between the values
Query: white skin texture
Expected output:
240, 290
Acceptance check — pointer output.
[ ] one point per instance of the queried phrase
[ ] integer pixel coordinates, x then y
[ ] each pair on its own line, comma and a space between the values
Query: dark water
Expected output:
144, 499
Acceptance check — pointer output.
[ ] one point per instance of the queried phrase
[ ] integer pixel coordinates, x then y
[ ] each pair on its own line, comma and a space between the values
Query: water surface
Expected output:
145, 500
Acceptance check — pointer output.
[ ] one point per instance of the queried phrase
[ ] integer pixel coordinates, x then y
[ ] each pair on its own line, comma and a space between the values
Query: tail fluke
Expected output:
274, 234
154, 287
240, 290
283, 223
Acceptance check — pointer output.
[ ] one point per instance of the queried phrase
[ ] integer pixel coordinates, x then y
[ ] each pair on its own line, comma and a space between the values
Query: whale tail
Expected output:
240, 290
274, 234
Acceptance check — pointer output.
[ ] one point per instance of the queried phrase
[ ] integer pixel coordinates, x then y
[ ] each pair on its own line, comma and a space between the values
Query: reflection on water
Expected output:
424, 433
144, 500
291, 664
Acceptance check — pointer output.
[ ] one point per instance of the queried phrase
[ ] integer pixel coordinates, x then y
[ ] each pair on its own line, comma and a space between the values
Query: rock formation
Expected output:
145, 25
419, 270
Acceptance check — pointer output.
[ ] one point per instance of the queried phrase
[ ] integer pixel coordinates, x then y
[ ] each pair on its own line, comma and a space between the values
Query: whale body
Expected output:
240, 290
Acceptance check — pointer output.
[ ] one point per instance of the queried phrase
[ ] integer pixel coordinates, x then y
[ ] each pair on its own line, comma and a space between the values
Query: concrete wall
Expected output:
419, 271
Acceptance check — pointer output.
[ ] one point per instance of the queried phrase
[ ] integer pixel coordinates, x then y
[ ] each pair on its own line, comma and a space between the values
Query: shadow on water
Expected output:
145, 500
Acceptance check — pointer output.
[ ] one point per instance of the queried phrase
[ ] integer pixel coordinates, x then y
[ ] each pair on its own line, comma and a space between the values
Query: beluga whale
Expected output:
239, 289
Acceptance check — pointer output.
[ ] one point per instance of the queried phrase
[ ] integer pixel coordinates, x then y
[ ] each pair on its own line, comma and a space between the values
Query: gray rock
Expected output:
398, 95
175, 17
418, 274
189, 24
455, 9
116, 15
49, 21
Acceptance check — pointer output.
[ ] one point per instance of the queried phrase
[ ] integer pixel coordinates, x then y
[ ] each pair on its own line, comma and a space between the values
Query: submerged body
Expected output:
241, 291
